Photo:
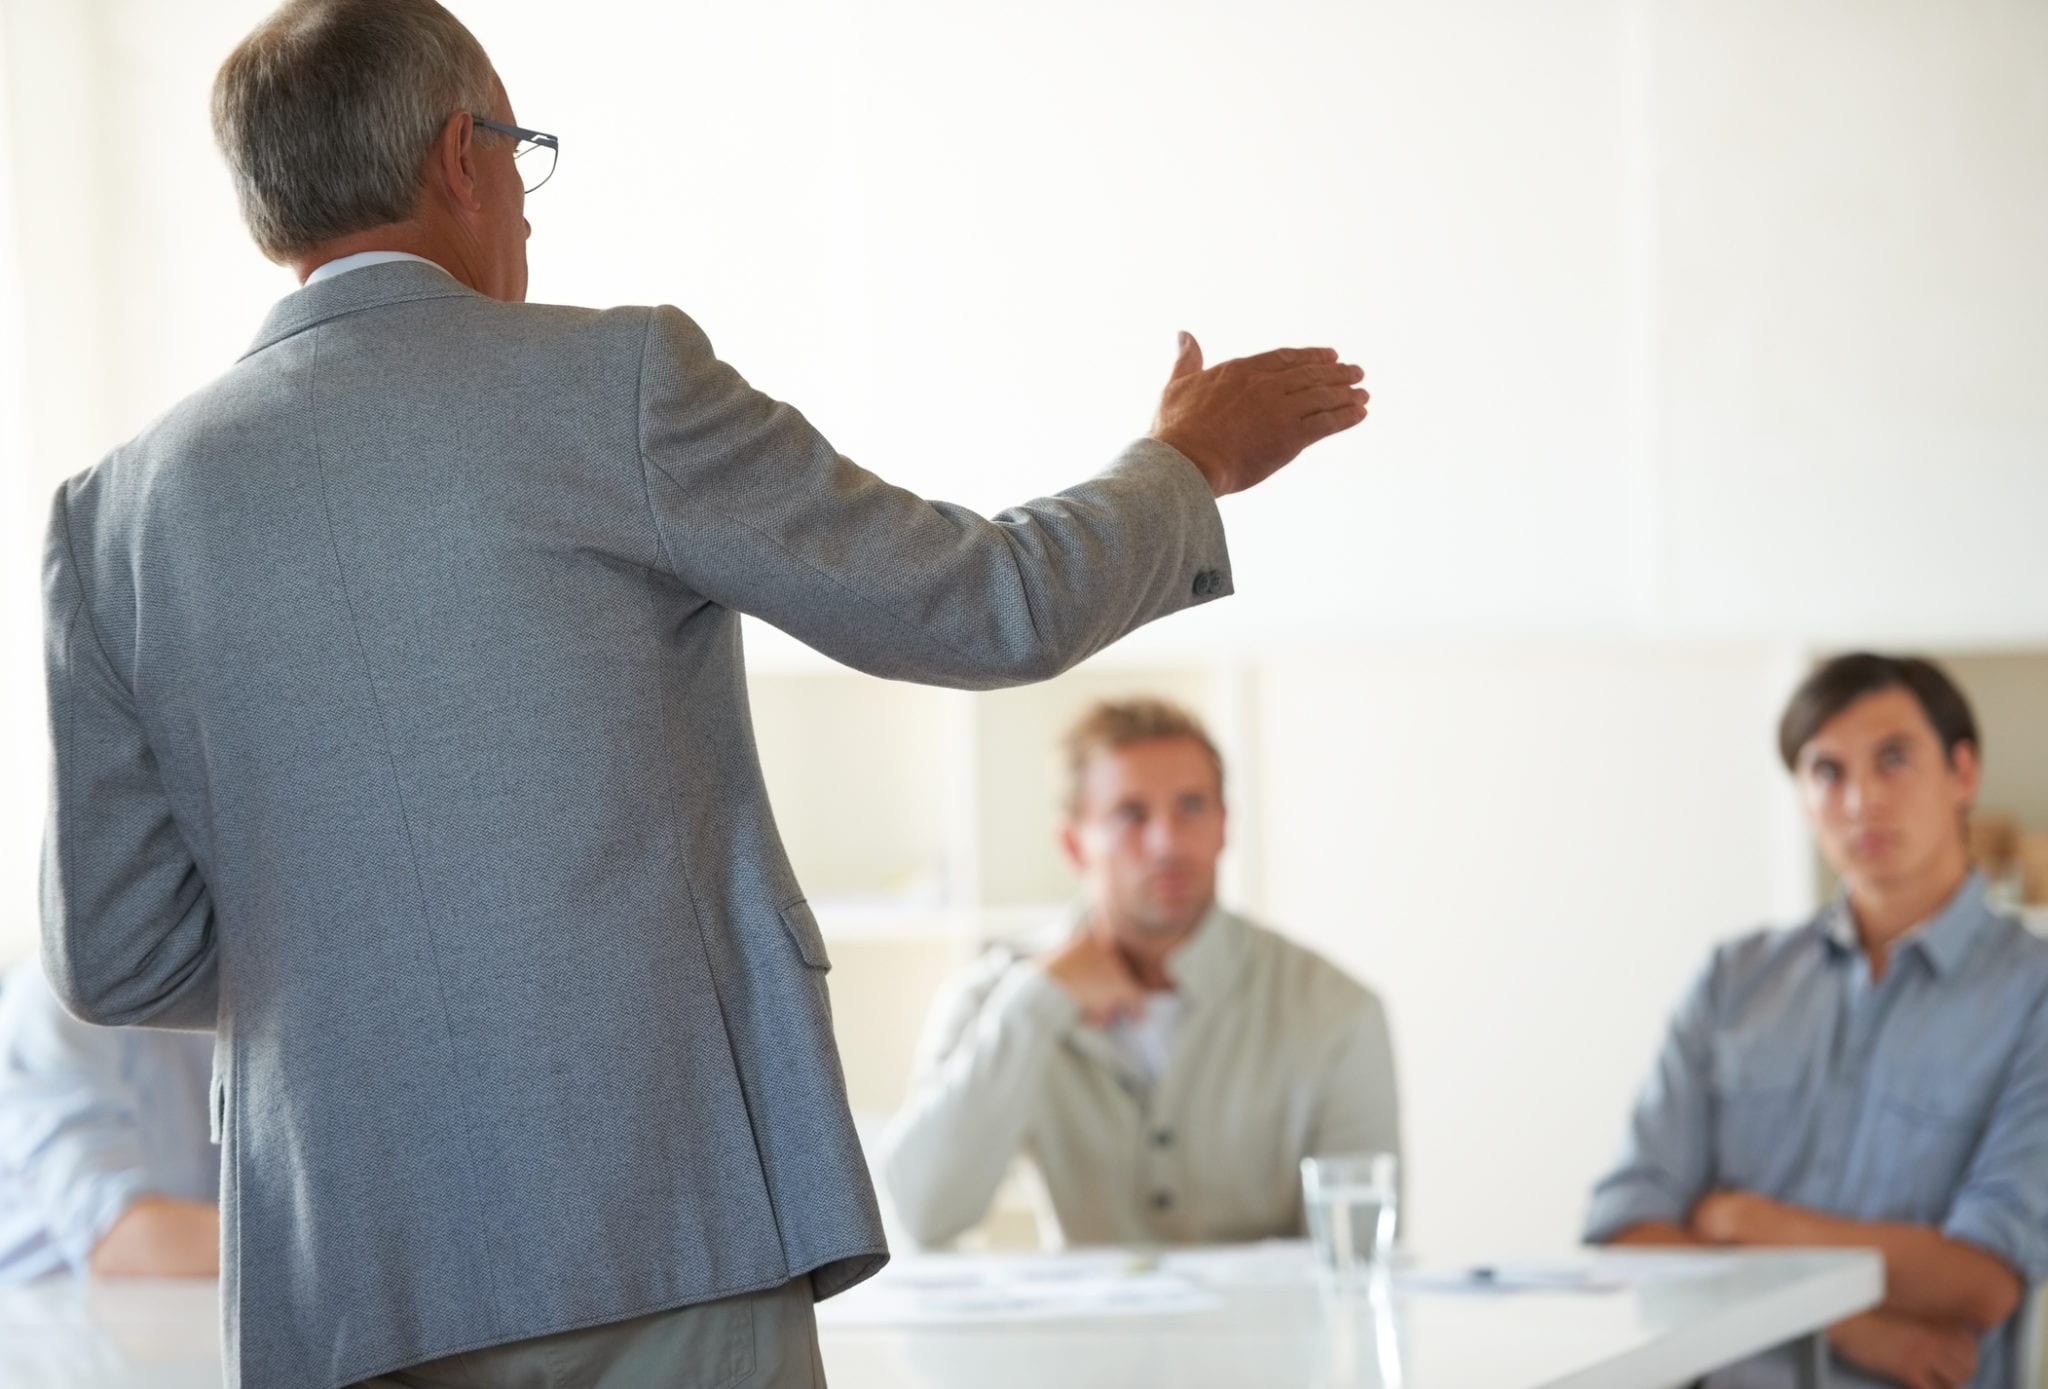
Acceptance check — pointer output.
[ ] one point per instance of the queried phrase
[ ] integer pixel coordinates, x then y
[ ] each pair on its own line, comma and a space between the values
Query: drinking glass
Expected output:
1353, 1203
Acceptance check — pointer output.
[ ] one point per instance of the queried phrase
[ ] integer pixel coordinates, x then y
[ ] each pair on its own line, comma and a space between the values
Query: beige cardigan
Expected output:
1278, 1054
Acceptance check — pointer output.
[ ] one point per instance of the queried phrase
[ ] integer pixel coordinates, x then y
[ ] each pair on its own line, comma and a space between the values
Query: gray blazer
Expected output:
401, 734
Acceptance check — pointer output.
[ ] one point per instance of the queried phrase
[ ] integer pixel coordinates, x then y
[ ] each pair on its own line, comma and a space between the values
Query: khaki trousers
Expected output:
765, 1340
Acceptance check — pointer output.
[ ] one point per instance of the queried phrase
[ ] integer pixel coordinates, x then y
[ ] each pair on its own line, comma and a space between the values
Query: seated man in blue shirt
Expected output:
1875, 1077
105, 1163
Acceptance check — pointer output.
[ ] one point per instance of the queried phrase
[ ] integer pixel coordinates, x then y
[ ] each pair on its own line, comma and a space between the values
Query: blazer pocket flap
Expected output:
802, 926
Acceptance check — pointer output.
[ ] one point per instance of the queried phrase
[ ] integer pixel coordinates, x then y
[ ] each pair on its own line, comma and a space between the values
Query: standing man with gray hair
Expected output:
400, 736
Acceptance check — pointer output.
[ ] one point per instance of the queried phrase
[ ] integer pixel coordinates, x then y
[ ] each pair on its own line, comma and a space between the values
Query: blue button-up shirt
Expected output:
91, 1118
1920, 1097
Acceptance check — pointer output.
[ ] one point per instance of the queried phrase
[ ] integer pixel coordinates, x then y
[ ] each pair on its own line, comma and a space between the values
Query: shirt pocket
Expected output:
1760, 1096
1923, 1130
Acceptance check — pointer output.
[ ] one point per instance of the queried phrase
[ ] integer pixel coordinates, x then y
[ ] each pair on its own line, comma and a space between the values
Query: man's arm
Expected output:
1914, 1353
127, 919
1974, 1269
161, 1237
2001, 1211
984, 1054
755, 511
1666, 1160
69, 1133
1927, 1274
1656, 1234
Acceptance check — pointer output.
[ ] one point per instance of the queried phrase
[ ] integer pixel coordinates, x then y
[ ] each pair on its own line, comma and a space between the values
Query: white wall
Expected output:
1851, 202
1528, 850
1701, 317
21, 743
1699, 332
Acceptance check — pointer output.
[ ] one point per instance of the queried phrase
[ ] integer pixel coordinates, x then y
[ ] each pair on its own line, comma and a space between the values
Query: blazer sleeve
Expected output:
755, 511
128, 929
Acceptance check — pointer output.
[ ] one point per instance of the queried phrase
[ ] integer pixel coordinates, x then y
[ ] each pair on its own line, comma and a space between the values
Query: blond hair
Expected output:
1108, 725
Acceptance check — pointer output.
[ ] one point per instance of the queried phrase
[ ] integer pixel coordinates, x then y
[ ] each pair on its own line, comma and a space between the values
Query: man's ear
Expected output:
1968, 772
452, 166
1070, 844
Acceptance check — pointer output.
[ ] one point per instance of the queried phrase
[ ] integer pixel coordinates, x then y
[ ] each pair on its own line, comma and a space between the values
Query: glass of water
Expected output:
1353, 1202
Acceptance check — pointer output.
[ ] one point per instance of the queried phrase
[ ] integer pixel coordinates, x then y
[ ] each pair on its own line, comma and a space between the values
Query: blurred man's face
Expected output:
1146, 834
1884, 801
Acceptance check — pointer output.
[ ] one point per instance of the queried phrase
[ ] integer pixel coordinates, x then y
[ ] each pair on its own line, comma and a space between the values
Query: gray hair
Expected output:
327, 111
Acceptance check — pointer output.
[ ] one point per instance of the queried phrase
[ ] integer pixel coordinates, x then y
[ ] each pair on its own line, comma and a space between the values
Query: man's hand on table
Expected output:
1243, 420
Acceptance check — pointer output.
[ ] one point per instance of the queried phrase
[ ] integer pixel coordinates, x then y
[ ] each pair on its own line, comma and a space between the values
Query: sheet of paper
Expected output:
961, 1289
1597, 1272
1268, 1261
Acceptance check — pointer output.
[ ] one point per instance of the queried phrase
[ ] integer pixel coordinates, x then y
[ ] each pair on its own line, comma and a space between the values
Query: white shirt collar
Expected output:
361, 259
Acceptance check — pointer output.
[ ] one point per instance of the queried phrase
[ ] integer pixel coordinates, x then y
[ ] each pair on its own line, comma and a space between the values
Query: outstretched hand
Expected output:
1243, 420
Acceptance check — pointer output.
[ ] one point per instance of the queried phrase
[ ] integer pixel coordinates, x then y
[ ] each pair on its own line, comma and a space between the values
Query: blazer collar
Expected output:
373, 286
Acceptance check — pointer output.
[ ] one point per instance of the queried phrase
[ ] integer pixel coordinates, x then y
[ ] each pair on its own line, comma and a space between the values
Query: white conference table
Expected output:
1639, 1321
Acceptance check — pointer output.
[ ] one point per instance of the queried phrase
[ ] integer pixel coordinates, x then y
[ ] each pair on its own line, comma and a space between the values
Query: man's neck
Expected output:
1885, 911
415, 238
1144, 952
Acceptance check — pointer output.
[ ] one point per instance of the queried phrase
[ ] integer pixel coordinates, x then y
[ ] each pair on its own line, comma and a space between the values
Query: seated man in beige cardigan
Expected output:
1163, 1063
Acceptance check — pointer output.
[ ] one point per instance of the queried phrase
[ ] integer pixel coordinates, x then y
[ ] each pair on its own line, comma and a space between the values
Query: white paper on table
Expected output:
1601, 1272
966, 1288
1267, 1261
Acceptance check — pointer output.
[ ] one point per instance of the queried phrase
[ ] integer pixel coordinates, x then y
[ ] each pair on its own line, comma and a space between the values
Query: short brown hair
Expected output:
1111, 724
1842, 681
327, 110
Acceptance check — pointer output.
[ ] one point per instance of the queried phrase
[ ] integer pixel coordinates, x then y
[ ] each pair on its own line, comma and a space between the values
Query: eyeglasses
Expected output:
536, 153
